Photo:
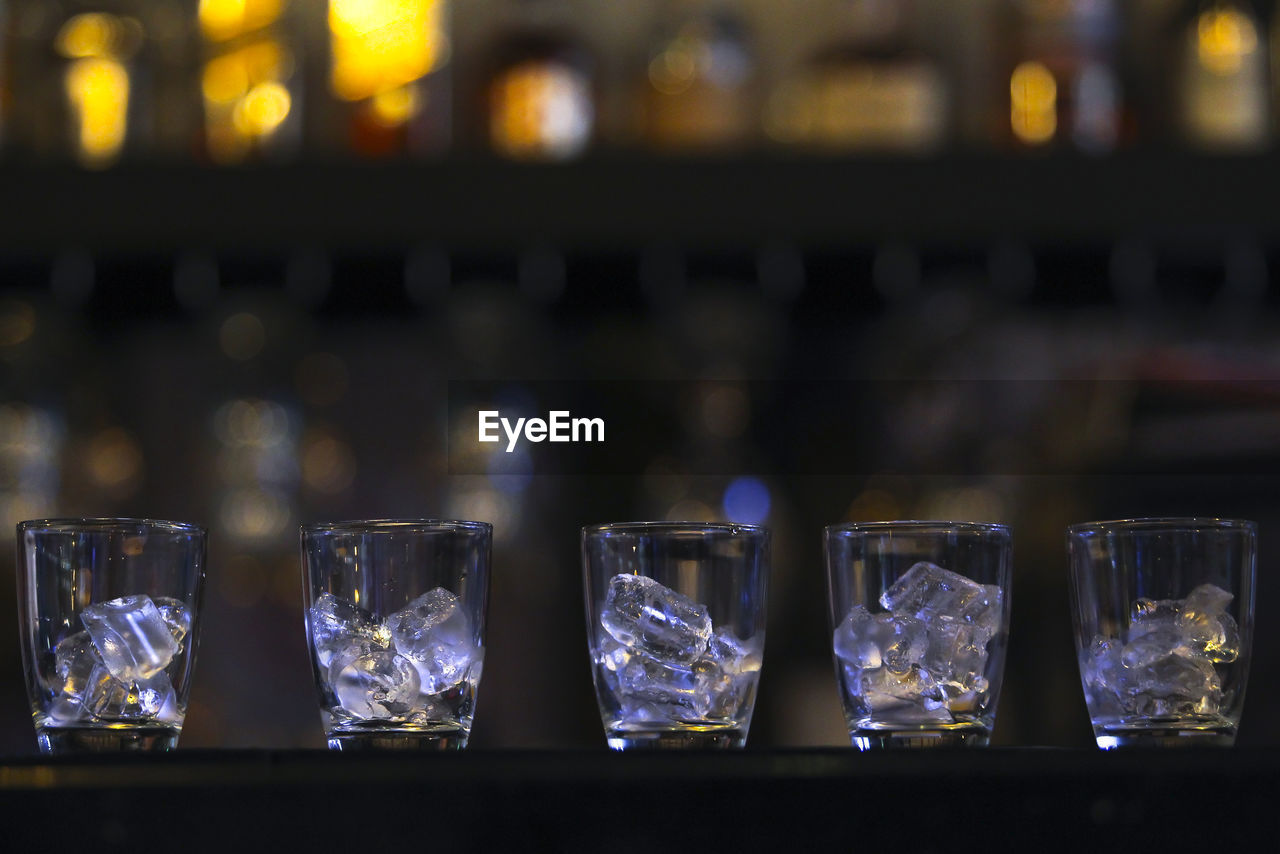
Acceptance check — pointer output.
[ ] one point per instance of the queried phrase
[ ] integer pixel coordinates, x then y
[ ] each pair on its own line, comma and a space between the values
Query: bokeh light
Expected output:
747, 500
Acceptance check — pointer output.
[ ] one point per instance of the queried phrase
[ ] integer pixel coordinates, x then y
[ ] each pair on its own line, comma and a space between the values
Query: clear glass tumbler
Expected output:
1163, 614
109, 612
675, 627
395, 624
920, 622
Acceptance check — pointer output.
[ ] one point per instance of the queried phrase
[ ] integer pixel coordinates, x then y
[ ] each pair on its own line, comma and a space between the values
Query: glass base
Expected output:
1110, 739
677, 739
106, 740
431, 739
916, 739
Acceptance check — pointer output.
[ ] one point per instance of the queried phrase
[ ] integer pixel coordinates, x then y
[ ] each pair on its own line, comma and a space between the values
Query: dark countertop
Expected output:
591, 801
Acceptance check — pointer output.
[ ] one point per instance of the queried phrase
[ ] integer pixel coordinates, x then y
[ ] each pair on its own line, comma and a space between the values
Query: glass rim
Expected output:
731, 528
917, 526
87, 524
374, 526
1162, 523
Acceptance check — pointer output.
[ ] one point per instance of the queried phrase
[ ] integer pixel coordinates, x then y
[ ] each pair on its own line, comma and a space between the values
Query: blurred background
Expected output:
246, 245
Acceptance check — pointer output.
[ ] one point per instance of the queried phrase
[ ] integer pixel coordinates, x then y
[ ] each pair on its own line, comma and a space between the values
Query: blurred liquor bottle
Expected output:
85, 77
1219, 56
1063, 75
537, 98
874, 85
388, 72
698, 86
250, 79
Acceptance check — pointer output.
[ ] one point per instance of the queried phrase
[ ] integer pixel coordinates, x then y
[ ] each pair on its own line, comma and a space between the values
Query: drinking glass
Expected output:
675, 628
395, 617
109, 613
920, 621
1163, 614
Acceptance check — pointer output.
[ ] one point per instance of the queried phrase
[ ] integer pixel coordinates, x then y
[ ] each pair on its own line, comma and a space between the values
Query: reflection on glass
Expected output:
871, 88
697, 88
96, 82
540, 109
1065, 85
539, 96
246, 81
1224, 90
386, 58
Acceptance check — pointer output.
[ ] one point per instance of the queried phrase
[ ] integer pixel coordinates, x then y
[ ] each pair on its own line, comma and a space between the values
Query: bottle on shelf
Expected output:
85, 76
874, 86
1063, 76
1222, 99
538, 98
698, 83
250, 79
388, 75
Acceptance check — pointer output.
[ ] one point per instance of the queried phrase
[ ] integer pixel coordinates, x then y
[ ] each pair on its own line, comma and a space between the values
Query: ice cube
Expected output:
929, 592
110, 699
1150, 615
650, 712
434, 633
737, 668
873, 640
1177, 685
1105, 676
336, 624
373, 682
613, 655
134, 641
65, 710
1107, 680
175, 616
651, 680
985, 613
1206, 626
910, 697
732, 655
956, 658
656, 620
1207, 599
1150, 646
1215, 637
74, 661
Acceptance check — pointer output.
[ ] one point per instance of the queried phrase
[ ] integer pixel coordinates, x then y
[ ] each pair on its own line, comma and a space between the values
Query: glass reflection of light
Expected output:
1033, 102
540, 109
246, 100
1224, 38
97, 82
226, 19
379, 47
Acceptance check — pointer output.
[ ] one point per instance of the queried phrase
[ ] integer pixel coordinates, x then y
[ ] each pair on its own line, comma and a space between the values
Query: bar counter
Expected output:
589, 801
